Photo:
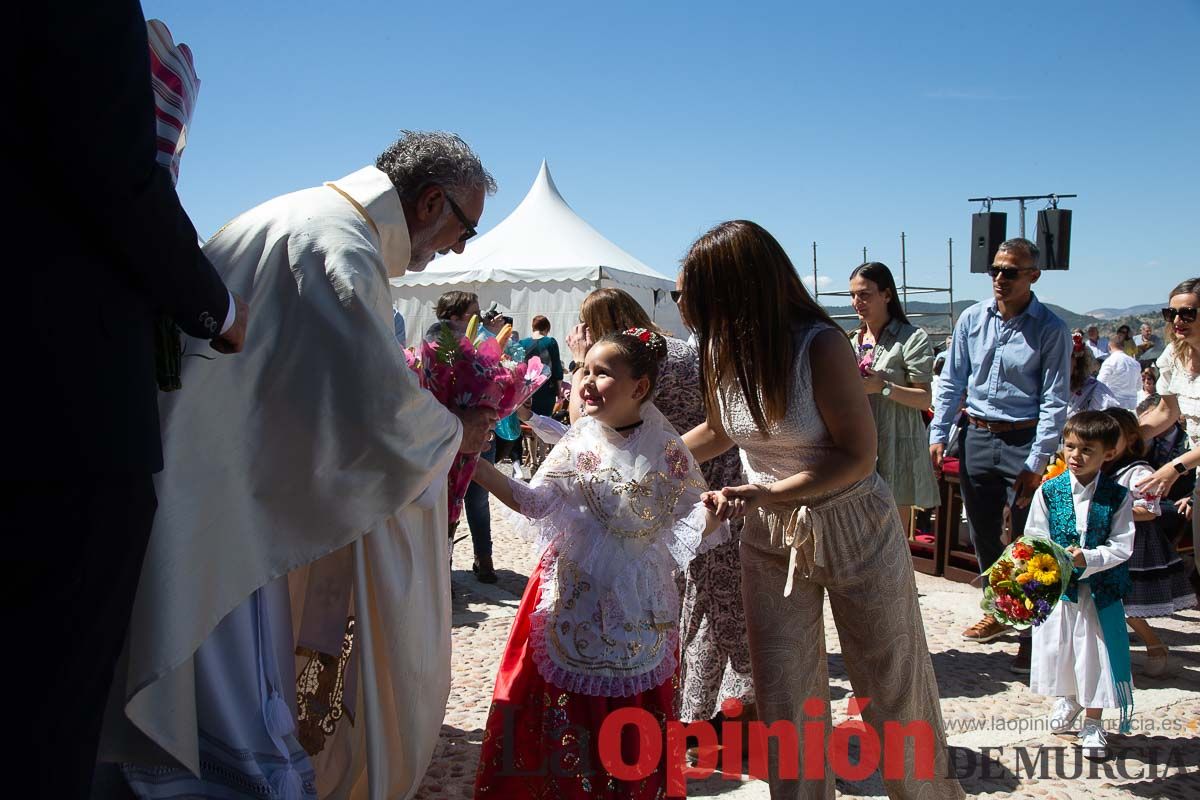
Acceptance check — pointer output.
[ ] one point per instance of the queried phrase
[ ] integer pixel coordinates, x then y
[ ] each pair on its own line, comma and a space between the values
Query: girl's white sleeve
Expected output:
1140, 502
548, 429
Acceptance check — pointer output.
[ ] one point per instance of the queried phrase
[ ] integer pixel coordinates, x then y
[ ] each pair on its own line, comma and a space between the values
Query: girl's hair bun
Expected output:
654, 342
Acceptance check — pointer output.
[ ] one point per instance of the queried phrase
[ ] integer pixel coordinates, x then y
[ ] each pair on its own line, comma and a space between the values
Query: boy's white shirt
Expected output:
1113, 552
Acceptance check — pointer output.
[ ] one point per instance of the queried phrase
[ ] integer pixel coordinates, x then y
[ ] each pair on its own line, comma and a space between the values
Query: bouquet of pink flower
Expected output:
1026, 582
474, 372
866, 358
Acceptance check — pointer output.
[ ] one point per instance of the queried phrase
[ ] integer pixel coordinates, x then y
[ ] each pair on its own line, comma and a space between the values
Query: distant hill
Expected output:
935, 319
1132, 311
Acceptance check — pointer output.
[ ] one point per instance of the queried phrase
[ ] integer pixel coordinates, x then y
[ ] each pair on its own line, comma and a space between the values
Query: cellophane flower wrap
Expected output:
1026, 582
463, 374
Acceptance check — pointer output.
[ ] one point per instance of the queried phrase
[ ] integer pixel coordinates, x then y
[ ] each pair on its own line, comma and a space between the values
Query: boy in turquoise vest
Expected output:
1081, 651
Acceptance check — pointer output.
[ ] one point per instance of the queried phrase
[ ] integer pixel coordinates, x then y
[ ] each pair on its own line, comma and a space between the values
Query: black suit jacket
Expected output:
102, 246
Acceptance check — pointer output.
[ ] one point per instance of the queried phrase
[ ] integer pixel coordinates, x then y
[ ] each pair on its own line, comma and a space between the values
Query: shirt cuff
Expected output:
230, 316
1037, 463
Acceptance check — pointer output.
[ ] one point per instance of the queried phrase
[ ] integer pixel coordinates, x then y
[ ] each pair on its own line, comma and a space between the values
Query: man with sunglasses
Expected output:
1010, 362
303, 548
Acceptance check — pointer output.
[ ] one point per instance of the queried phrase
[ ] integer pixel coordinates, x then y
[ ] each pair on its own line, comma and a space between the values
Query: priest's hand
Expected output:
477, 424
232, 340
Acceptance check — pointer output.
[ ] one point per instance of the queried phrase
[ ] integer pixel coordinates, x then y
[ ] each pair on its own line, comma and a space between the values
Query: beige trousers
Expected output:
852, 548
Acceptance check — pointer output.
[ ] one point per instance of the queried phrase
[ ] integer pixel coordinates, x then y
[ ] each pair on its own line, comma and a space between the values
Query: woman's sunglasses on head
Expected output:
1187, 314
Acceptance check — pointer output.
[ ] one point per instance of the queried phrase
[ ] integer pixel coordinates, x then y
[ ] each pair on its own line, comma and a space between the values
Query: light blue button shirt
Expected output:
1009, 371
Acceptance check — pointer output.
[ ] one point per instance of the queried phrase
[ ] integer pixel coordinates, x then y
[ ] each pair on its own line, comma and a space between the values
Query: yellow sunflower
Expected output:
1043, 567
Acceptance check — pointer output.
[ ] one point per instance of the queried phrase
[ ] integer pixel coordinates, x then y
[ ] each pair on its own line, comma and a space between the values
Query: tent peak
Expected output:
544, 184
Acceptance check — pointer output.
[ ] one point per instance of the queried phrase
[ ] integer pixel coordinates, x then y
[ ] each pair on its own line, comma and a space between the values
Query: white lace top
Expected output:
1175, 380
798, 442
613, 518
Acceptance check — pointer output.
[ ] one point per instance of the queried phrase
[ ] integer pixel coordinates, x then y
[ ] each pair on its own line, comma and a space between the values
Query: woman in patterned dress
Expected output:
715, 663
1179, 390
819, 519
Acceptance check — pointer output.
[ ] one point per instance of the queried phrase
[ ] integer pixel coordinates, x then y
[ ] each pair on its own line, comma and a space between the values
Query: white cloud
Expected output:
823, 282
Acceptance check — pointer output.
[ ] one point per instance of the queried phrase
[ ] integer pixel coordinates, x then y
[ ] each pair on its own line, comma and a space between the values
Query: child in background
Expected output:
615, 511
1159, 579
1081, 651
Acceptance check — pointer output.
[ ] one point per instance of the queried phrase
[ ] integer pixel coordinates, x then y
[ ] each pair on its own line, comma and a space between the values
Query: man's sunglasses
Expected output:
1187, 314
462, 218
1009, 273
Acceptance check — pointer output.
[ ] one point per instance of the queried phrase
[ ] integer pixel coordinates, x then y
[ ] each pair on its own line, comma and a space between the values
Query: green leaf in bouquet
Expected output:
447, 345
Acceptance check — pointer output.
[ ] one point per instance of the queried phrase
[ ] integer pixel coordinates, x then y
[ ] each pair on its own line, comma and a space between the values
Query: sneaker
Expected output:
1064, 714
1093, 740
985, 630
1020, 663
483, 569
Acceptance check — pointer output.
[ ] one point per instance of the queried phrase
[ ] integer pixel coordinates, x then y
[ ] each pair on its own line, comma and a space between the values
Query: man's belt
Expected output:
1002, 427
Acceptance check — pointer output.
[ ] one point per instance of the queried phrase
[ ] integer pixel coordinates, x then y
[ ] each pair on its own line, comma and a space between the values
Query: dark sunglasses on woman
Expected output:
1187, 314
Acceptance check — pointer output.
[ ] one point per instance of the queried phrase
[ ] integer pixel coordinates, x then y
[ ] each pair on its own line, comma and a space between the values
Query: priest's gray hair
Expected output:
419, 159
1022, 247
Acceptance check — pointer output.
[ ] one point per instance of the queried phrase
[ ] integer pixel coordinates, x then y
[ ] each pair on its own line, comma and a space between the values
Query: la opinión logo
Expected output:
755, 747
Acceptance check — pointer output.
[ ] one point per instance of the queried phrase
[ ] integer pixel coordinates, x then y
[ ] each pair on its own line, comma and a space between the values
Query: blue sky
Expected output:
844, 123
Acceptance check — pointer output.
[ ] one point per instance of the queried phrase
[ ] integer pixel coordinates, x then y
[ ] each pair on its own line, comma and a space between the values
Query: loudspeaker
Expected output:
987, 234
1054, 238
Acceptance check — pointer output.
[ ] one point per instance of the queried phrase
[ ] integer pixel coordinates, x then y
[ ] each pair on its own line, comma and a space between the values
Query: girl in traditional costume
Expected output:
615, 510
1081, 651
1158, 578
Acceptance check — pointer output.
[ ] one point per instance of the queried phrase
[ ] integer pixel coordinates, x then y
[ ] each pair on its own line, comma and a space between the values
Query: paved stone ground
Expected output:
991, 716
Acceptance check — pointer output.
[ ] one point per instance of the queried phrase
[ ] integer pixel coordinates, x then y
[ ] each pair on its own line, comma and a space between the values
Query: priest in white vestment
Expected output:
301, 529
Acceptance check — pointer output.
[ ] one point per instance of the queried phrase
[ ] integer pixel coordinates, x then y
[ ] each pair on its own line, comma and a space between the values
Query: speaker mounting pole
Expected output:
1022, 199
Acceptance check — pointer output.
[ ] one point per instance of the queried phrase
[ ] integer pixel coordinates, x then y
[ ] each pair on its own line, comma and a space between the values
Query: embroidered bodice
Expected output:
613, 517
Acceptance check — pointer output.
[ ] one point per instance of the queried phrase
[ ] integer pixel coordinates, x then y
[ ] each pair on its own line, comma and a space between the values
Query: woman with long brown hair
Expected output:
819, 519
715, 658
1179, 393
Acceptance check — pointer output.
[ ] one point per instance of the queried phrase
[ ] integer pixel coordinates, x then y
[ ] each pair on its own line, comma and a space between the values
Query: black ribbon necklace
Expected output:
629, 427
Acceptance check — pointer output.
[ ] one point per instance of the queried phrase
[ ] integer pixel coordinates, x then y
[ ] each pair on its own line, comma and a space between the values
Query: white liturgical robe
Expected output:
315, 455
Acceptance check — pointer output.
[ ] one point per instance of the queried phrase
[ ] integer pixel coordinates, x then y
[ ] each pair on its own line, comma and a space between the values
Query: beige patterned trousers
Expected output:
854, 550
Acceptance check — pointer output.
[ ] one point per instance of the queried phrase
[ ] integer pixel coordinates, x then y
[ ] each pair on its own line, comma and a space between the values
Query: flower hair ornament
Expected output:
652, 340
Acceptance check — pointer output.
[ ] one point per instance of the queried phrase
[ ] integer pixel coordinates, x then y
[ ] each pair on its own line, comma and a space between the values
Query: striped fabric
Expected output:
173, 75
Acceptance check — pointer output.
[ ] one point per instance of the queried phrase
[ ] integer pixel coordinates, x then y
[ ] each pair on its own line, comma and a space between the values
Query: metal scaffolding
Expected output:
904, 289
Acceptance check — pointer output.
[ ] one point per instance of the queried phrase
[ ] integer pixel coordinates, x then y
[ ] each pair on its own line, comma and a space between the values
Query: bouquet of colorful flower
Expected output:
474, 371
1026, 582
866, 358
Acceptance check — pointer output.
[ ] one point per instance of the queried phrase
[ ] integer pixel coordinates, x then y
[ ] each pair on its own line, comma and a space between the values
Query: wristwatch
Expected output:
886, 391
1179, 467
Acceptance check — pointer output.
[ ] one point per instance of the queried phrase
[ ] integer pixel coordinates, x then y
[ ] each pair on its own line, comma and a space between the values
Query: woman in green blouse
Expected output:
896, 362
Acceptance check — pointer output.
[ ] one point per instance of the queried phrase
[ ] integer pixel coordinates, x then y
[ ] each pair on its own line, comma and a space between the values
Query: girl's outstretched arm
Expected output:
497, 485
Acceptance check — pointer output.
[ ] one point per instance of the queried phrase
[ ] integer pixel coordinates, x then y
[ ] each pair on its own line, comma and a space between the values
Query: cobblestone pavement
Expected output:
996, 725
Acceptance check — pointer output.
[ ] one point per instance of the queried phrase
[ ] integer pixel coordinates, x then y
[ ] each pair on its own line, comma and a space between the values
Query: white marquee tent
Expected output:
542, 259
